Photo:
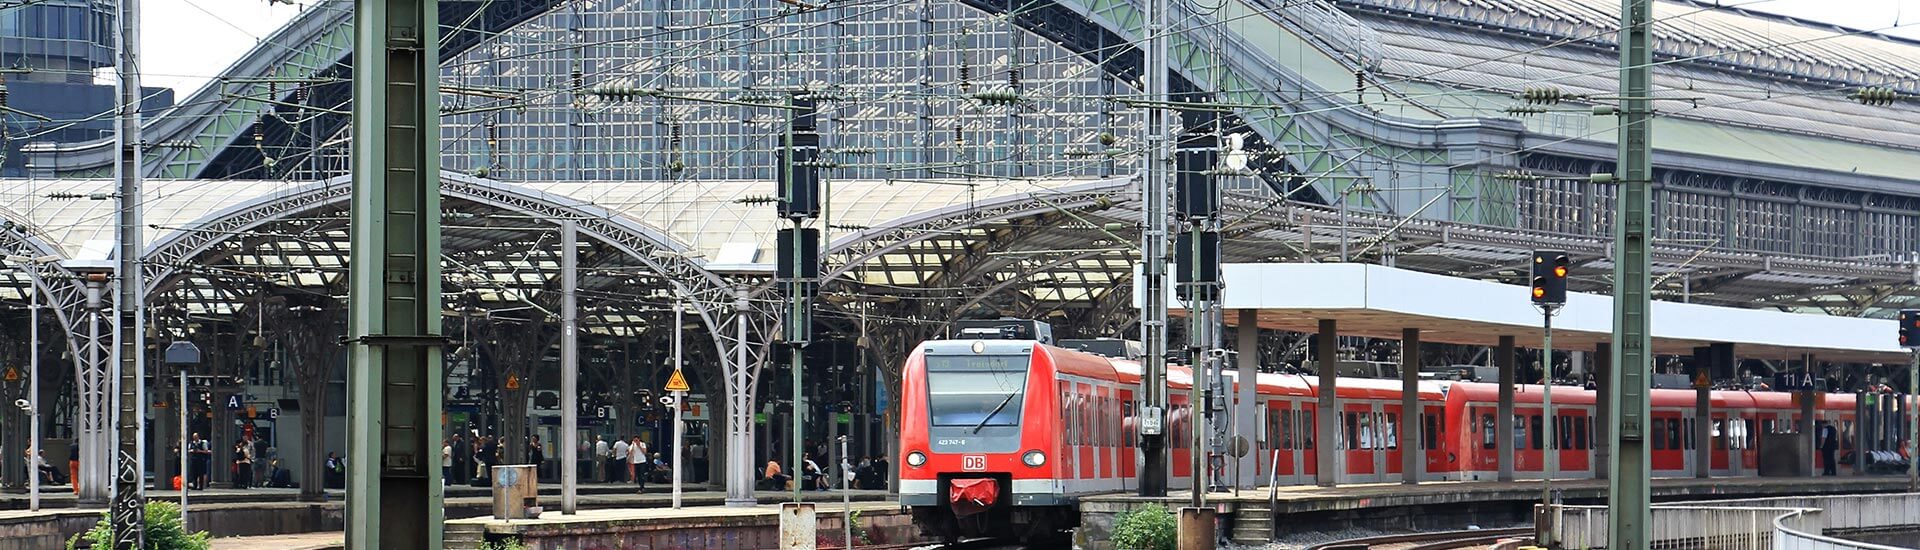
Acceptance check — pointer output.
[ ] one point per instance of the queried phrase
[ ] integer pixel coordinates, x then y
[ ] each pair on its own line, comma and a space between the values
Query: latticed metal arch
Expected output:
866, 245
707, 292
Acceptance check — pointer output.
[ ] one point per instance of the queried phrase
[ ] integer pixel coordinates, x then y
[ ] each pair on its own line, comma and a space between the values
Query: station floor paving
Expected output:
328, 540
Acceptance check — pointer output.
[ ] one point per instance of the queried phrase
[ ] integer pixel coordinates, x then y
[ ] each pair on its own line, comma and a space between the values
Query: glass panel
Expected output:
978, 390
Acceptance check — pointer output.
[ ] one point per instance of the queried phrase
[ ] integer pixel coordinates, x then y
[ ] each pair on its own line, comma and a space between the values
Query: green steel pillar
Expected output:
1632, 346
394, 372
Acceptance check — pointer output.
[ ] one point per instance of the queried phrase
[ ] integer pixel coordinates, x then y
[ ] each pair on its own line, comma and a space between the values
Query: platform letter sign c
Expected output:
973, 463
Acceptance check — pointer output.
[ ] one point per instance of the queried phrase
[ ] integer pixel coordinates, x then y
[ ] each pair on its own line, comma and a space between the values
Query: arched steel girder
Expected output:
711, 296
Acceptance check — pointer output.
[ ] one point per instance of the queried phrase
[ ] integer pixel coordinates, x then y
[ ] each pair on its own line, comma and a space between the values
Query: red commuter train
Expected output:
1000, 437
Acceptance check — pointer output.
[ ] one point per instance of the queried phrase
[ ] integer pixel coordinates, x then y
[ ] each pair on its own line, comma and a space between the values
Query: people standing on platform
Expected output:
336, 471
604, 453
462, 458
200, 453
536, 455
242, 464
637, 463
881, 472
489, 456
617, 463
660, 471
1829, 442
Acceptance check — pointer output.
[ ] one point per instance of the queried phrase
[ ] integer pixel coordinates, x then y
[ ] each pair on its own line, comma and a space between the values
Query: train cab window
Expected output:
1350, 434
1533, 426
976, 390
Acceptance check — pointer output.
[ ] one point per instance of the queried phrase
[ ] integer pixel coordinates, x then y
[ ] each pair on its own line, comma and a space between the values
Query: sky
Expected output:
185, 42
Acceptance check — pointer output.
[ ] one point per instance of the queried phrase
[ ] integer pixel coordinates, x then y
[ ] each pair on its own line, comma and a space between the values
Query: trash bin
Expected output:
516, 492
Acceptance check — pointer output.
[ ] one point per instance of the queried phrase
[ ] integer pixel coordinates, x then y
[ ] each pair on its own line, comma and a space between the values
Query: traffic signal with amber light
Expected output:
1550, 277
1910, 328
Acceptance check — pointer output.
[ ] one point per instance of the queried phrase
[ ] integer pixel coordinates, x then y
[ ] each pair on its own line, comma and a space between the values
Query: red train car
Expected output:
1000, 437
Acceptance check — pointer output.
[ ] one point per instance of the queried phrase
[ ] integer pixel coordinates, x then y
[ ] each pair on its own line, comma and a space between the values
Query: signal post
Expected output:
1549, 293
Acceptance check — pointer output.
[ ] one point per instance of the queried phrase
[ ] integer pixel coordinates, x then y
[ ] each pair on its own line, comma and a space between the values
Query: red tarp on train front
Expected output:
972, 496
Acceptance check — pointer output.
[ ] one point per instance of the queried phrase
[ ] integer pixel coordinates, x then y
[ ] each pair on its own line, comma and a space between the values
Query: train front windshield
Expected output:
975, 391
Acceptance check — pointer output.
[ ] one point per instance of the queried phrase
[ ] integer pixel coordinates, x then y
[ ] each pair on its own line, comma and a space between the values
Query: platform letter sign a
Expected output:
233, 402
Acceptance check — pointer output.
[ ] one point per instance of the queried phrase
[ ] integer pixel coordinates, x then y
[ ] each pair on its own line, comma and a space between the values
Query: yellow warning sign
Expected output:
13, 374
1702, 382
678, 382
513, 381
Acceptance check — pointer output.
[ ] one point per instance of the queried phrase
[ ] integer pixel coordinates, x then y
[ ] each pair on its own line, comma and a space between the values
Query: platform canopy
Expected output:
1378, 301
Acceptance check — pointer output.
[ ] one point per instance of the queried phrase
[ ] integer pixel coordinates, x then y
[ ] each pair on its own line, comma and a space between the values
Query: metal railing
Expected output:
1780, 523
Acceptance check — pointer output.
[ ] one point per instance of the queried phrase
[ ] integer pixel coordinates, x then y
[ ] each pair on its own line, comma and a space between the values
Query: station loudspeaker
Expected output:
1196, 194
1550, 270
799, 257
798, 172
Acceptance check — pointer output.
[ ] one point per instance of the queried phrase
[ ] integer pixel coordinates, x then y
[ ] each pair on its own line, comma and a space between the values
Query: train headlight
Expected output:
915, 459
1034, 458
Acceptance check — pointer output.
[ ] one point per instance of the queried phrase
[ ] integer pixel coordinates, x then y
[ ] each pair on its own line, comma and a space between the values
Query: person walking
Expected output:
697, 459
637, 462
489, 456
336, 472
446, 461
604, 454
617, 463
462, 460
536, 454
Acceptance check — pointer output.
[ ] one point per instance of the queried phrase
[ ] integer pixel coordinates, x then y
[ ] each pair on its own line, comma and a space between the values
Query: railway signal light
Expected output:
1910, 328
1550, 269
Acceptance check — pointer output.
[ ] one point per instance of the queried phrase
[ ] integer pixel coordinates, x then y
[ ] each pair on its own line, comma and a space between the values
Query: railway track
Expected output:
1446, 540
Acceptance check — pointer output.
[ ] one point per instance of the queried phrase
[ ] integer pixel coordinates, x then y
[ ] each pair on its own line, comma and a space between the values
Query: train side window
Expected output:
1431, 438
1392, 433
1534, 437
1126, 414
1580, 434
1659, 434
1487, 429
1347, 433
1692, 424
1069, 423
1307, 429
1520, 432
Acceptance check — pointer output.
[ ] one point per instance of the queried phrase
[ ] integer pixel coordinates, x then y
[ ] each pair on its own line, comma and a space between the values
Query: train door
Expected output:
1722, 448
1129, 457
1527, 455
1433, 438
1573, 442
1356, 443
1305, 430
1669, 456
1387, 424
1281, 463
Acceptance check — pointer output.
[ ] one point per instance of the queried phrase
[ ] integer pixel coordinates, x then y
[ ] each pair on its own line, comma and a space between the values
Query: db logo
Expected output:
973, 463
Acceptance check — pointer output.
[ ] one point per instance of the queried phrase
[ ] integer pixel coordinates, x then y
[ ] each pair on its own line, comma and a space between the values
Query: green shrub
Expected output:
859, 531
1149, 527
164, 531
504, 544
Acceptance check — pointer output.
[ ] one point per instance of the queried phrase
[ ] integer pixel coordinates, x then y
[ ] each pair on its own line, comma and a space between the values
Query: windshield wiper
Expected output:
996, 410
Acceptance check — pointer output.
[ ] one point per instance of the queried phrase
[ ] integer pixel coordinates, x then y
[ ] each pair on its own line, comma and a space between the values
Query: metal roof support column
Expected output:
570, 366
1246, 413
1327, 425
1632, 346
1703, 426
1503, 416
1410, 417
741, 376
129, 477
394, 375
1153, 260
1806, 424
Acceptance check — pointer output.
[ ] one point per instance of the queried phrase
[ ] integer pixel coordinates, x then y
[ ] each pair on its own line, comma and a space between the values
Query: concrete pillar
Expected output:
1503, 418
1807, 400
1327, 423
1410, 413
1861, 424
1246, 412
1704, 359
1602, 438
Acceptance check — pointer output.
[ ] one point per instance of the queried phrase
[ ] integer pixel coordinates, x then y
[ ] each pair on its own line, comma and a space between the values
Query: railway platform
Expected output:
707, 527
1259, 515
